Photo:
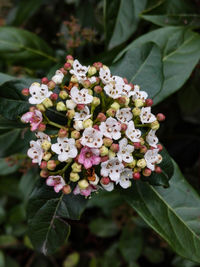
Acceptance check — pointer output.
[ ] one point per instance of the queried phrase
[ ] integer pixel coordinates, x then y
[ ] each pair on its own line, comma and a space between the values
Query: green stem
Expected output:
62, 171
142, 125
53, 123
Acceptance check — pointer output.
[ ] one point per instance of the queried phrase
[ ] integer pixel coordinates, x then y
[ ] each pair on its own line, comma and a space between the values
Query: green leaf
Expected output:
131, 243
2, 259
154, 255
103, 227
46, 210
174, 19
7, 240
25, 48
5, 77
72, 260
179, 47
121, 19
173, 213
139, 65
6, 168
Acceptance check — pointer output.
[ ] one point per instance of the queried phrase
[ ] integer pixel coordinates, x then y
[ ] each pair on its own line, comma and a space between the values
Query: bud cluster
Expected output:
109, 135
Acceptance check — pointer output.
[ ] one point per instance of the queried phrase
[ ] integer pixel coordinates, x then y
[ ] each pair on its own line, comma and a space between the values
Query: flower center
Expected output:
88, 154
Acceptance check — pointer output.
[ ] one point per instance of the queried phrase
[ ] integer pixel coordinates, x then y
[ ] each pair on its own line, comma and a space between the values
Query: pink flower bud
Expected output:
44, 173
136, 176
97, 80
123, 127
105, 158
67, 66
107, 141
98, 65
96, 127
98, 89
105, 180
149, 102
51, 165
86, 83
54, 96
66, 189
43, 165
125, 80
143, 149
114, 147
101, 117
132, 85
121, 100
62, 133
69, 57
41, 127
80, 107
75, 134
160, 147
25, 92
160, 117
158, 169
137, 145
63, 71
78, 144
51, 85
44, 80
146, 172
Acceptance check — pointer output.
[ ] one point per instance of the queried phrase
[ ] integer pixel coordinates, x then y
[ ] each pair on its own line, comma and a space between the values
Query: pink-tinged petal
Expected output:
81, 158
50, 181
87, 163
27, 117
34, 126
58, 187
38, 114
86, 192
96, 160
77, 190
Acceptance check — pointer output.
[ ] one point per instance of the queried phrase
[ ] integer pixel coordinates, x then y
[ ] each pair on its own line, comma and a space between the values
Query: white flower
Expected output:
56, 181
38, 93
111, 128
112, 168
70, 104
42, 137
124, 115
82, 115
78, 125
35, 152
80, 96
132, 133
139, 94
151, 157
125, 177
113, 90
79, 71
108, 187
146, 116
92, 138
125, 151
105, 75
65, 148
152, 139
92, 79
58, 77
95, 182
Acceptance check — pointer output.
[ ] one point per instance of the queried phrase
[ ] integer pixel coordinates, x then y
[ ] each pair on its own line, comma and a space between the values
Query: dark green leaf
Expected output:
25, 48
6, 168
46, 210
154, 255
179, 47
5, 77
7, 240
121, 19
173, 213
103, 227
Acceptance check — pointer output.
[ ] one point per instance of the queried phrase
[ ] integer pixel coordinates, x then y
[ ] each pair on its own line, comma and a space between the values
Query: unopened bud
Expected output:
67, 66
44, 173
78, 144
149, 102
143, 149
80, 107
76, 167
160, 117
103, 151
136, 111
46, 145
111, 112
87, 123
137, 145
41, 127
115, 106
62, 133
46, 156
114, 148
136, 176
70, 104
54, 96
64, 71
101, 117
141, 163
25, 92
63, 94
96, 101
41, 107
44, 80
51, 165
105, 158
111, 154
142, 142
92, 70
75, 134
146, 172
86, 84
66, 189
51, 85
98, 65
107, 141
123, 127
47, 103
155, 125
74, 177
96, 127
122, 100
105, 180
132, 164
43, 165
160, 147
98, 89
158, 169
73, 79
83, 184
61, 106
138, 103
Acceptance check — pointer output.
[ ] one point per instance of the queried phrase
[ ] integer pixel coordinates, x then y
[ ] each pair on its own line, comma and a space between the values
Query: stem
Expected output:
53, 123
142, 125
103, 101
62, 171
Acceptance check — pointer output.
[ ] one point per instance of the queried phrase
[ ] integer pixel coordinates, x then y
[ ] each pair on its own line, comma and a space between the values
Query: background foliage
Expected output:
154, 43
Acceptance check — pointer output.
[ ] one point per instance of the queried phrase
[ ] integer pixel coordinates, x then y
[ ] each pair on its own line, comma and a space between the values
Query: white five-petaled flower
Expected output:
125, 176
58, 77
56, 181
42, 137
132, 133
70, 104
79, 71
151, 157
105, 75
108, 187
65, 148
152, 139
78, 125
111, 128
124, 115
80, 96
35, 152
38, 93
92, 138
146, 116
82, 115
139, 94
112, 168
113, 90
125, 151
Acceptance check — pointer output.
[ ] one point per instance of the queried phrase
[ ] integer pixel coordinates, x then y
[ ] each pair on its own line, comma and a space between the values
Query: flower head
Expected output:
151, 157
112, 168
92, 138
124, 115
132, 133
111, 128
38, 93
146, 116
34, 118
89, 157
57, 182
125, 151
80, 96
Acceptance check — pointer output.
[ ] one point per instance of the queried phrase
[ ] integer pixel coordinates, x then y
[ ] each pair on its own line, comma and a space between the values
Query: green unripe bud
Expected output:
41, 107
87, 123
63, 94
155, 125
76, 167
61, 106
74, 177
46, 145
73, 79
47, 103
141, 163
83, 184
104, 151
115, 106
111, 154
96, 101
47, 156
70, 113
138, 103
136, 111
92, 70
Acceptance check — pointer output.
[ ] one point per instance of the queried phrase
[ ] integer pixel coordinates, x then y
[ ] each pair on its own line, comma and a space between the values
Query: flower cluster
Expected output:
107, 134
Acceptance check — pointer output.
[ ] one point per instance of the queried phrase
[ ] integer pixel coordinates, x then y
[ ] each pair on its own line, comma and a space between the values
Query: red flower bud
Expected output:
80, 106
125, 80
158, 169
105, 158
63, 71
98, 89
78, 144
66, 189
160, 117
121, 100
32, 109
123, 127
62, 133
54, 96
136, 176
105, 180
132, 85
96, 127
143, 149
98, 65
149, 102
44, 80
43, 165
67, 66
146, 172
44, 173
41, 127
51, 165
137, 145
101, 117
25, 92
114, 148
160, 147
86, 83
69, 57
